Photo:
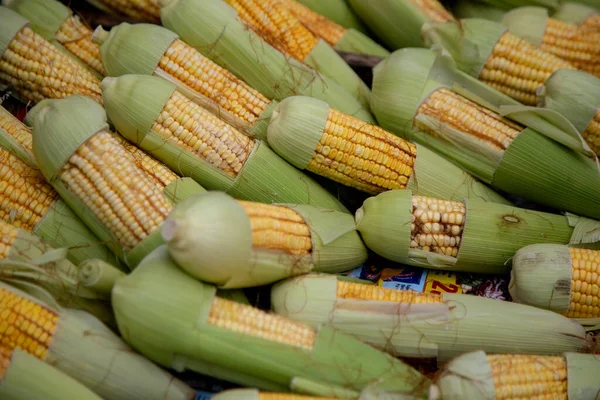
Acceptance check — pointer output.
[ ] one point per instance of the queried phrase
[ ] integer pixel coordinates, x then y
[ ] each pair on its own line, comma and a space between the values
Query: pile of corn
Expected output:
431, 235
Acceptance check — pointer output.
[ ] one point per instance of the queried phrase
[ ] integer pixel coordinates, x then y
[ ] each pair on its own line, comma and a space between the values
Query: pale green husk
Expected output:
474, 9
583, 376
45, 16
574, 13
574, 94
159, 301
492, 233
509, 4
460, 324
397, 23
133, 103
336, 10
528, 23
212, 27
324, 59
357, 42
28, 378
99, 276
541, 277
468, 376
210, 237
182, 188
10, 24
237, 394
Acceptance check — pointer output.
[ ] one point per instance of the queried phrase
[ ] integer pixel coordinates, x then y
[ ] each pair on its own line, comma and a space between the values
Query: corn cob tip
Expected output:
100, 35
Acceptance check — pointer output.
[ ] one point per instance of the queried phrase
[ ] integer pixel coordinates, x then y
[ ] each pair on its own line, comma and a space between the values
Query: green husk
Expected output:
336, 10
473, 9
299, 122
45, 16
11, 23
99, 276
492, 233
357, 42
212, 27
29, 378
528, 23
149, 320
133, 103
468, 376
461, 323
574, 94
325, 60
574, 13
397, 23
583, 375
509, 4
210, 237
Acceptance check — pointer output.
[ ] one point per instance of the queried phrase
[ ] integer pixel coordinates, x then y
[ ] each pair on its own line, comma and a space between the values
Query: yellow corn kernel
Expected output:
585, 284
25, 196
160, 174
38, 70
277, 25
517, 68
245, 319
193, 128
105, 177
25, 325
466, 116
143, 10
572, 43
16, 129
9, 233
591, 23
592, 133
437, 225
361, 155
319, 25
434, 10
288, 396
358, 291
5, 359
77, 38
278, 228
529, 377
190, 67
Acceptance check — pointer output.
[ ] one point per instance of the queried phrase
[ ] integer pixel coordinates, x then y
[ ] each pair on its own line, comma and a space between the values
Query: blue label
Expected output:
405, 278
203, 395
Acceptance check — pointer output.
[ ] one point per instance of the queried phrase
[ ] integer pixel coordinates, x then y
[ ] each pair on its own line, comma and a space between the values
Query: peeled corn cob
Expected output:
212, 27
142, 10
488, 51
516, 376
399, 23
30, 203
575, 44
451, 113
269, 242
253, 394
576, 96
118, 197
151, 113
277, 25
425, 325
56, 22
310, 135
35, 68
209, 329
80, 346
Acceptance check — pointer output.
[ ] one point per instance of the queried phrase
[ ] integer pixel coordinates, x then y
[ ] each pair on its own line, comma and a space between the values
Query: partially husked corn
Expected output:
585, 284
319, 25
142, 10
76, 37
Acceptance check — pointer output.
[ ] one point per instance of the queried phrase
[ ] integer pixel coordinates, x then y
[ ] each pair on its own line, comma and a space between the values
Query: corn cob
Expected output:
418, 325
275, 242
30, 203
436, 233
399, 23
24, 377
338, 37
274, 22
268, 342
212, 27
575, 95
35, 68
478, 375
142, 10
455, 115
80, 346
56, 22
253, 394
117, 196
578, 45
127, 50
310, 135
151, 113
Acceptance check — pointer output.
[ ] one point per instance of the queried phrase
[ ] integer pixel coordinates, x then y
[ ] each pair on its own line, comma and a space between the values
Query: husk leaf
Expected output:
45, 16
583, 376
309, 386
528, 23
336, 10
473, 9
357, 42
147, 320
237, 394
468, 376
10, 24
99, 276
574, 13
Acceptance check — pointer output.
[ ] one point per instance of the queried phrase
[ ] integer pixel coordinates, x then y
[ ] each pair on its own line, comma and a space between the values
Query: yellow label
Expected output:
439, 282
